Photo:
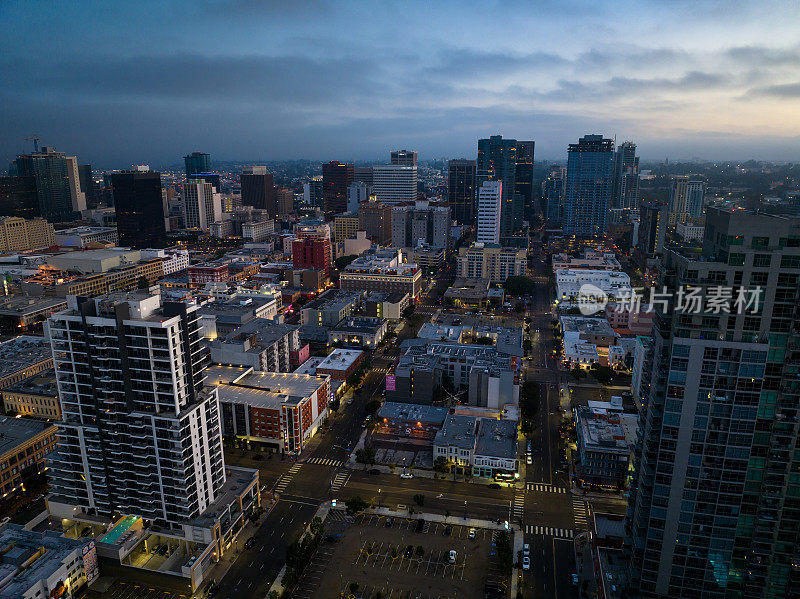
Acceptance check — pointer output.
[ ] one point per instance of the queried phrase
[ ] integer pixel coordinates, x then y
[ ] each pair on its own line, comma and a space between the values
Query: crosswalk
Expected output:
580, 512
518, 506
339, 481
544, 488
284, 480
326, 462
549, 531
381, 370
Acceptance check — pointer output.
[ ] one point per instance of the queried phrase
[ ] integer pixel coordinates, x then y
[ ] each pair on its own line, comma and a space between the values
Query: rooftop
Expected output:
217, 374
270, 389
360, 324
43, 384
18, 305
14, 431
497, 438
410, 411
236, 481
457, 431
21, 352
340, 359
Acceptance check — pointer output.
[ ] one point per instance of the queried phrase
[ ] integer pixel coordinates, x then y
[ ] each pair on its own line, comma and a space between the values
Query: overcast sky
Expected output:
147, 82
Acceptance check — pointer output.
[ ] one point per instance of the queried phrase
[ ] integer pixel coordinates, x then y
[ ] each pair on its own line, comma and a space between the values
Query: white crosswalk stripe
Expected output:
326, 462
580, 512
339, 481
549, 531
284, 480
519, 506
544, 488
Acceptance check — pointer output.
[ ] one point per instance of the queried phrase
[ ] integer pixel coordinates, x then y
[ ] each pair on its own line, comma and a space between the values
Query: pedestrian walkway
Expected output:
381, 370
519, 507
545, 488
326, 462
580, 513
549, 531
340, 480
284, 480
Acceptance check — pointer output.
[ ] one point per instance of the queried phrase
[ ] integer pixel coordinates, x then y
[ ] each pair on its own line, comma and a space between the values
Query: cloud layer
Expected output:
144, 82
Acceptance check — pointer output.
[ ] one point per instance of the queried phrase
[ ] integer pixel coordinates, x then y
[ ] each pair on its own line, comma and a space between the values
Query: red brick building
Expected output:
312, 253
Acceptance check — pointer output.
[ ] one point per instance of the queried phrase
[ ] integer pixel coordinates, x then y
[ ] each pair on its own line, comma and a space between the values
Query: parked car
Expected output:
452, 556
472, 533
448, 530
526, 549
406, 475
408, 552
374, 471
163, 550
528, 460
249, 543
526, 563
389, 522
420, 525
494, 485
574, 580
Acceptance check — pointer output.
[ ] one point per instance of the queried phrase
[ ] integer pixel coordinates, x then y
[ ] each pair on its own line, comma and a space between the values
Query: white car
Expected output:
528, 460
452, 556
406, 475
526, 563
472, 533
526, 550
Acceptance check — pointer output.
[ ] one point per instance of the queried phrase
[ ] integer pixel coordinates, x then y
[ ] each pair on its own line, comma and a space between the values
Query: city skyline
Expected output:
262, 81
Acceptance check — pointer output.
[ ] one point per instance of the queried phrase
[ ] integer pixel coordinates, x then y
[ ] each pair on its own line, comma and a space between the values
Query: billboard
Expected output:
390, 382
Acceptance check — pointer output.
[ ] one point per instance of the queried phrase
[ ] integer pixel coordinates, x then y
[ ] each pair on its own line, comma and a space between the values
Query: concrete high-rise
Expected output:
312, 192
196, 163
258, 189
625, 194
284, 200
424, 222
357, 193
686, 199
490, 202
376, 219
714, 510
202, 205
394, 183
587, 192
652, 232
461, 188
497, 161
404, 157
140, 209
336, 178
523, 182
140, 434
57, 183
310, 252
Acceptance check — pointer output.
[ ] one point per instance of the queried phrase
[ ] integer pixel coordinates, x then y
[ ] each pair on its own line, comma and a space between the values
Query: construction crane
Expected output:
35, 140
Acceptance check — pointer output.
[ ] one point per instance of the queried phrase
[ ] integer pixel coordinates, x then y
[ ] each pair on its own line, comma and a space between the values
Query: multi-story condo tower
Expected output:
202, 204
394, 183
490, 200
18, 197
140, 434
57, 183
196, 163
523, 181
140, 208
424, 222
461, 190
312, 192
553, 194
625, 193
404, 157
686, 199
336, 178
497, 161
587, 192
357, 193
714, 510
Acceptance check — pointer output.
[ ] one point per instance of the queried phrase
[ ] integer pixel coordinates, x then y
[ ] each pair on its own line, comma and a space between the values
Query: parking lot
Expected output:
121, 589
402, 559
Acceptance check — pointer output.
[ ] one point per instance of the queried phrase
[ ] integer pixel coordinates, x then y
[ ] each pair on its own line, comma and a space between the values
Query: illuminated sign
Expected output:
390, 382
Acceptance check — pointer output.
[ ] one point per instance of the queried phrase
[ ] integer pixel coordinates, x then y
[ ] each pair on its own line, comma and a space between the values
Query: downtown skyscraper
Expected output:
336, 178
196, 163
714, 510
625, 194
497, 161
140, 208
57, 183
587, 192
461, 175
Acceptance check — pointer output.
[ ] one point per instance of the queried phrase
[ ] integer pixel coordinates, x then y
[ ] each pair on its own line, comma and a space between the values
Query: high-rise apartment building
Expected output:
404, 157
461, 190
140, 209
714, 509
423, 222
376, 219
202, 205
284, 200
523, 182
625, 193
312, 192
497, 161
308, 252
394, 183
553, 195
363, 174
336, 178
140, 434
196, 163
357, 192
57, 183
652, 232
19, 197
258, 189
686, 199
587, 192
88, 186
490, 202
